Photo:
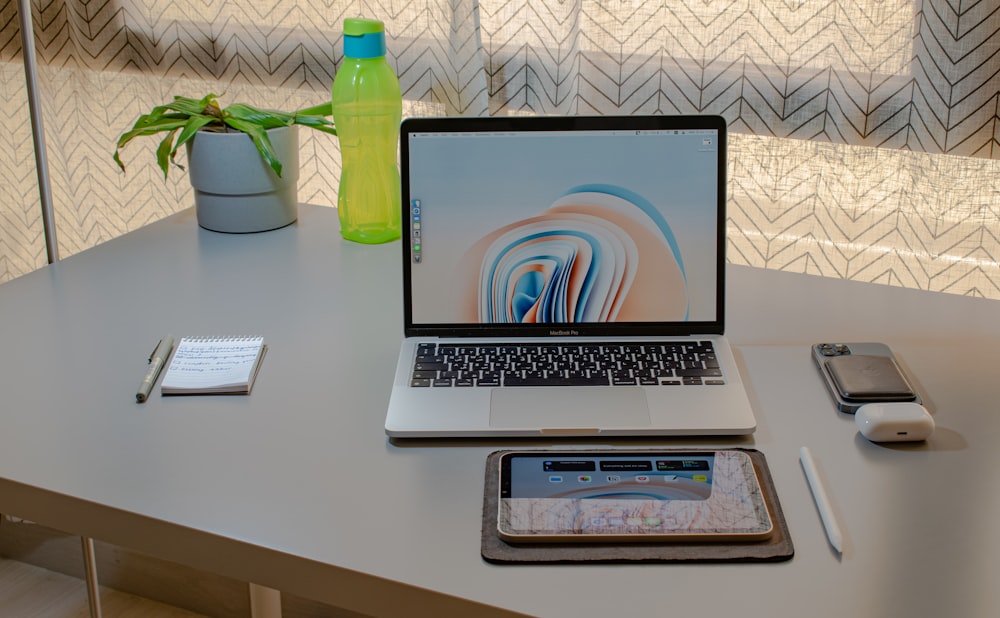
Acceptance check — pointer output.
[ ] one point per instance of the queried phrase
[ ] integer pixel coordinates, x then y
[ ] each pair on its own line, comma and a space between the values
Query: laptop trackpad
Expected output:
576, 407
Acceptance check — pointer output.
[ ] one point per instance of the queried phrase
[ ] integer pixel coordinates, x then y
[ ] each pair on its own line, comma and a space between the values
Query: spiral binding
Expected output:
243, 339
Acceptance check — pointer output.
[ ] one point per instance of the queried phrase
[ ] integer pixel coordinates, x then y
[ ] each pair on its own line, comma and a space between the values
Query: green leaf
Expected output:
260, 140
154, 119
149, 128
187, 105
210, 106
266, 118
183, 117
315, 118
190, 129
316, 122
163, 153
323, 109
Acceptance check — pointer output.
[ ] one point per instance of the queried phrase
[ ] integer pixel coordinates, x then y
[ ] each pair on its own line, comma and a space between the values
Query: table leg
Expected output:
90, 567
264, 602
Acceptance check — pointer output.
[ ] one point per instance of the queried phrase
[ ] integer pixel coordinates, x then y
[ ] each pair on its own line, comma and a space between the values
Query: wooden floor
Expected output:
28, 591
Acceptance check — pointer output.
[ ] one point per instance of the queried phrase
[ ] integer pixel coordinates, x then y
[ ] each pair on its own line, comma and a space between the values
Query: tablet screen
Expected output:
630, 496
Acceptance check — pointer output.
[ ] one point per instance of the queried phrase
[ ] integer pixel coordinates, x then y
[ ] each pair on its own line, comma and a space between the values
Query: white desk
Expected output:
296, 486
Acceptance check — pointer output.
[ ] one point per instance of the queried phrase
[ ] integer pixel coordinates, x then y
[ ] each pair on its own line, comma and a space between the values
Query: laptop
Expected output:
563, 276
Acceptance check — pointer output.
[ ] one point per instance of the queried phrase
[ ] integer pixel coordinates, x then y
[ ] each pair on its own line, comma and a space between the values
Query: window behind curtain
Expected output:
864, 139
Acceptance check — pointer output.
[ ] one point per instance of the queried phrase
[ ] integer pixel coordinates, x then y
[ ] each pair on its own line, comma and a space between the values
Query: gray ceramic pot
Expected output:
235, 190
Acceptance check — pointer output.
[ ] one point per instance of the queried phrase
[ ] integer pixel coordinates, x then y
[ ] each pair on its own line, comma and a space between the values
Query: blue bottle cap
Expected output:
364, 38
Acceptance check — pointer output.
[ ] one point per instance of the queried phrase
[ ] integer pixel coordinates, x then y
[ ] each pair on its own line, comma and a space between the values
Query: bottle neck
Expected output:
366, 45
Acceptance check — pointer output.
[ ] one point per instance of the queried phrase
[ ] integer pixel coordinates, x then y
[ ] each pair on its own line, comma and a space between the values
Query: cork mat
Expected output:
775, 549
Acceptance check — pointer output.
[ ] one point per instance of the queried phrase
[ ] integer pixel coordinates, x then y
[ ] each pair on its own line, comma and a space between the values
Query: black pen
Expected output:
156, 362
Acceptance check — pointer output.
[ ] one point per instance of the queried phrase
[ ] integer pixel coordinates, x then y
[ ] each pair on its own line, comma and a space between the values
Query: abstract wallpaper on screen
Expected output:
600, 253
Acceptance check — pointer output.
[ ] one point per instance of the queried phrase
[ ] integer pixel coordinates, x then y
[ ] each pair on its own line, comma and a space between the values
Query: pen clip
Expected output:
153, 353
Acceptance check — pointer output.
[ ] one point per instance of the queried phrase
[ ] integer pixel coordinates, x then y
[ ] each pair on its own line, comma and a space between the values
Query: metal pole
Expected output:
49, 227
264, 602
90, 566
37, 131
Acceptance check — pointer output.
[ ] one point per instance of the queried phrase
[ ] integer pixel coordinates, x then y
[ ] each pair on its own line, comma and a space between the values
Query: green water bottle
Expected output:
367, 109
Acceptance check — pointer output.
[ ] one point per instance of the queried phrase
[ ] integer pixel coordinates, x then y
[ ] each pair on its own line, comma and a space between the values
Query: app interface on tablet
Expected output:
655, 494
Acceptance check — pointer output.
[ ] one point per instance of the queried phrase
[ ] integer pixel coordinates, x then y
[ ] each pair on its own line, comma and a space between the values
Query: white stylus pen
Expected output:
822, 501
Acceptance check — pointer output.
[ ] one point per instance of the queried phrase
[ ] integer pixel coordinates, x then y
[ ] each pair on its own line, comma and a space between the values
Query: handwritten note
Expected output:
214, 365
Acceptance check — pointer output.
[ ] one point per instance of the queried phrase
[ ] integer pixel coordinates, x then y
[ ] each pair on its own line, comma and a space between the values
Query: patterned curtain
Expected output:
864, 133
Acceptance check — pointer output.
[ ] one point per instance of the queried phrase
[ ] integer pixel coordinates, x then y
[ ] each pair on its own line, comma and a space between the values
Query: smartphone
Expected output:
860, 373
630, 496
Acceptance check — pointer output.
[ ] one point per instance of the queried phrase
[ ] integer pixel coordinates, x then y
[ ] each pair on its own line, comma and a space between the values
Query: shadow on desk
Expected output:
574, 442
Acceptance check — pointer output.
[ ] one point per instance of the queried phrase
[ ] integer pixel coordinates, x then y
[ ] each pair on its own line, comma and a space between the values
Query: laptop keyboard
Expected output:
590, 364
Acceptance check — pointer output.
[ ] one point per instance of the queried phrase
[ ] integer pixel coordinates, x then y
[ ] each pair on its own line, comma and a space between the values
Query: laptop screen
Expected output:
563, 225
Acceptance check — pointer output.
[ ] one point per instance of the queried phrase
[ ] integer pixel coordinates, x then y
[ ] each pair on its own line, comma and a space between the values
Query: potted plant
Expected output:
243, 160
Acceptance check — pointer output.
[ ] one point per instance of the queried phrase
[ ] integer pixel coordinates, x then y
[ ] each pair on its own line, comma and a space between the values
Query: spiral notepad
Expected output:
214, 366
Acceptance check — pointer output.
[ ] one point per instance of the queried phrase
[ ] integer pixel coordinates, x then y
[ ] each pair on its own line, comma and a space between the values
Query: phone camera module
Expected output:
833, 349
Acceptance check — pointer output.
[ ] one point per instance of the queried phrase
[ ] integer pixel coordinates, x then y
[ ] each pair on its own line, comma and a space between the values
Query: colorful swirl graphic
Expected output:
600, 253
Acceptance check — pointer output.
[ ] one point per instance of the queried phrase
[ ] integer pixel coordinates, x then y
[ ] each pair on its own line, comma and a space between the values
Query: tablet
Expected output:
630, 496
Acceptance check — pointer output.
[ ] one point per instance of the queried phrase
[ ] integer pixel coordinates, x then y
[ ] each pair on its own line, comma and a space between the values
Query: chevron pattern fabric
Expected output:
864, 133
